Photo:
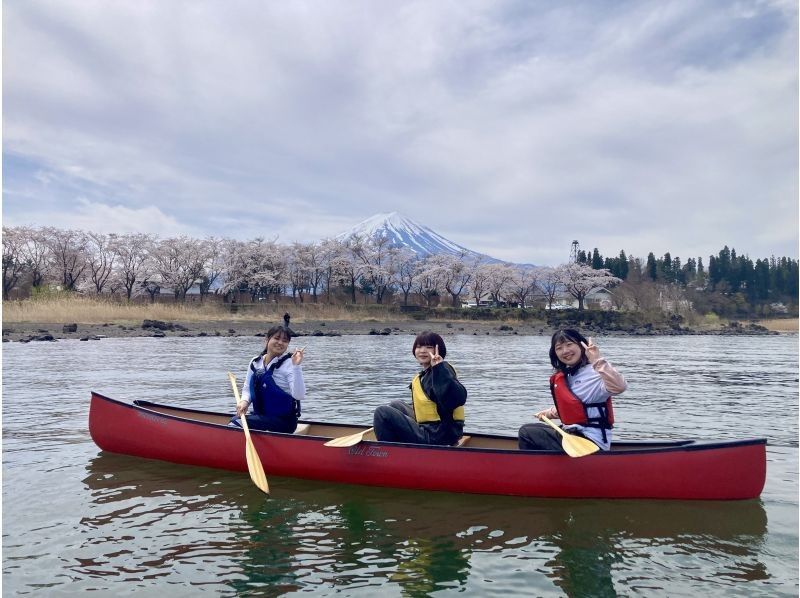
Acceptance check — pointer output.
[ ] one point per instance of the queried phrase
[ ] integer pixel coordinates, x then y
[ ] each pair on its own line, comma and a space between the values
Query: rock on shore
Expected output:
27, 332
52, 331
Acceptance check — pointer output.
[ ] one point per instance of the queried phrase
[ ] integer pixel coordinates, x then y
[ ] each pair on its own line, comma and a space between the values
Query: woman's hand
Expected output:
592, 351
551, 413
241, 407
297, 356
436, 359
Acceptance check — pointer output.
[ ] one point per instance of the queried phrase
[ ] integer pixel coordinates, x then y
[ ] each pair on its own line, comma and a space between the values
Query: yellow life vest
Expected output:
424, 409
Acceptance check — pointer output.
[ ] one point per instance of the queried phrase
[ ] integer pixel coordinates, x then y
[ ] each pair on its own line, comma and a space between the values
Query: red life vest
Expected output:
572, 411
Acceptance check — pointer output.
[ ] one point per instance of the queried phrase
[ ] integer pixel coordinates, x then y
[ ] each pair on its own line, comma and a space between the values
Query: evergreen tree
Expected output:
677, 272
597, 260
666, 268
651, 268
714, 275
689, 271
623, 266
760, 288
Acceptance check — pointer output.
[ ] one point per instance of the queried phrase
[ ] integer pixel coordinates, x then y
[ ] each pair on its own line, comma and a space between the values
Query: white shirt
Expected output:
594, 383
288, 377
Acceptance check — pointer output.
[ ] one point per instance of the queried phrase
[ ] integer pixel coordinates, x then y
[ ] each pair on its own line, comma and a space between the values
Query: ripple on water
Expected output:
75, 519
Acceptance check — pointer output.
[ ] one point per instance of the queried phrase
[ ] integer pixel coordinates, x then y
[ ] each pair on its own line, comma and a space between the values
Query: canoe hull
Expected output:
717, 471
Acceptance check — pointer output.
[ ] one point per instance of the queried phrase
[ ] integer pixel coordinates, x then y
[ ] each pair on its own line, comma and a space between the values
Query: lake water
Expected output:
77, 520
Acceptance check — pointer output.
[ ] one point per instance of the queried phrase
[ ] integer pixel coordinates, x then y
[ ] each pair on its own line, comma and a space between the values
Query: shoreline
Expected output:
53, 331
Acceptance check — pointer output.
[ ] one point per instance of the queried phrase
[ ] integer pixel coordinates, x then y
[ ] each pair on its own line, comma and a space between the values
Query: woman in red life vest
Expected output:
435, 414
582, 387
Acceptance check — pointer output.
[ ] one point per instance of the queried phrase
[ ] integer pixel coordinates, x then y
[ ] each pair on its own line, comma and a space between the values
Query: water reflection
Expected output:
152, 519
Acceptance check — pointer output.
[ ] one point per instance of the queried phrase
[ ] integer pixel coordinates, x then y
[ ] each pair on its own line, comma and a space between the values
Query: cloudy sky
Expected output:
509, 127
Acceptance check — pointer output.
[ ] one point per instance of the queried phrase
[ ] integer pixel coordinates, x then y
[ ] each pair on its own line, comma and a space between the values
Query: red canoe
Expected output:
483, 464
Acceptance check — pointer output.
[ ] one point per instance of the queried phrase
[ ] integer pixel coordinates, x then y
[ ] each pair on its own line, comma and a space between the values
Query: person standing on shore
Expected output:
435, 414
274, 385
582, 387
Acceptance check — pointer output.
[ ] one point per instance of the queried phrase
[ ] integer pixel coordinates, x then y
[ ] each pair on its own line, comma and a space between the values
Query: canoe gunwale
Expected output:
620, 449
684, 470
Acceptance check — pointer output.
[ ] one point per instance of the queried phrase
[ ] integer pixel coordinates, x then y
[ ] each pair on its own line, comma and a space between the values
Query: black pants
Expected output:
395, 422
539, 437
270, 423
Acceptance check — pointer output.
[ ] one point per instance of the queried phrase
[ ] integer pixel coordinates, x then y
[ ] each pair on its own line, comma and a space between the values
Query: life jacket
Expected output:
572, 411
425, 410
269, 398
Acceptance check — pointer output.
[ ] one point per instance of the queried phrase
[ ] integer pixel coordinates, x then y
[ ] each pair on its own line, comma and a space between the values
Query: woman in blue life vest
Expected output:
435, 414
582, 387
274, 385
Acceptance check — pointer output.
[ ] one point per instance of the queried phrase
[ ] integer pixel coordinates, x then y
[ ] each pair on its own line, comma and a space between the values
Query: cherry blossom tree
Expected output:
213, 266
549, 282
379, 259
257, 267
349, 265
479, 283
14, 263
453, 274
580, 279
408, 268
311, 258
523, 283
296, 270
429, 280
498, 280
180, 262
101, 255
69, 253
37, 254
330, 252
133, 263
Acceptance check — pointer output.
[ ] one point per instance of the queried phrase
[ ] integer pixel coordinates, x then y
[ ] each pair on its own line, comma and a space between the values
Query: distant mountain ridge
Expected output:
403, 231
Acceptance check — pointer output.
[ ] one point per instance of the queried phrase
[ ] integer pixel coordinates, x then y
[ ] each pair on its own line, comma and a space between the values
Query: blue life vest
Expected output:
269, 398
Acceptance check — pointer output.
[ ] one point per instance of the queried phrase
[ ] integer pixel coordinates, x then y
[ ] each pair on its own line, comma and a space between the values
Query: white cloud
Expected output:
510, 128
104, 218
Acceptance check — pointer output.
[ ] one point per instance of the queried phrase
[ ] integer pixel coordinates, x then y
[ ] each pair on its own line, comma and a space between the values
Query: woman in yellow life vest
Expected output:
435, 414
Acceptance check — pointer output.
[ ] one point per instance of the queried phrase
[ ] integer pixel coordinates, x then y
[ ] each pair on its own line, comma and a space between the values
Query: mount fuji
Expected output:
404, 232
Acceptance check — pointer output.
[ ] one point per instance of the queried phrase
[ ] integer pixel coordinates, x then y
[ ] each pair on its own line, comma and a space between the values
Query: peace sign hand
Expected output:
436, 359
297, 356
592, 351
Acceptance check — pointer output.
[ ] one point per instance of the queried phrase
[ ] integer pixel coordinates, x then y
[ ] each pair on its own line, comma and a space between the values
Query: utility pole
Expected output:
573, 253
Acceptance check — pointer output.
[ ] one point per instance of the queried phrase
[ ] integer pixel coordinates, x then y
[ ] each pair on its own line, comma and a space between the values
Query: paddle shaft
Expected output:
555, 427
254, 465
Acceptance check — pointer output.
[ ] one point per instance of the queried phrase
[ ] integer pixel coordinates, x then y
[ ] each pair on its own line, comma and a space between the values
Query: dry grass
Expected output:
780, 324
87, 310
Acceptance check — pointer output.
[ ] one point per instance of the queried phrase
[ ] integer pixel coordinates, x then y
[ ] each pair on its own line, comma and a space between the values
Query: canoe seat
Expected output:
302, 429
462, 441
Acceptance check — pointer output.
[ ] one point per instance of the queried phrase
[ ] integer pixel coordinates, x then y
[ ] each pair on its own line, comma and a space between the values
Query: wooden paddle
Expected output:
574, 446
253, 462
350, 440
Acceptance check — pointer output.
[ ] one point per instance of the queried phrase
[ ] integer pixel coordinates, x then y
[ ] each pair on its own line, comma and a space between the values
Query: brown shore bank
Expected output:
27, 331
52, 331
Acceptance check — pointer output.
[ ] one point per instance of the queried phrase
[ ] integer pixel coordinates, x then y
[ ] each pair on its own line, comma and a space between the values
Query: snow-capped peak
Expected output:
404, 231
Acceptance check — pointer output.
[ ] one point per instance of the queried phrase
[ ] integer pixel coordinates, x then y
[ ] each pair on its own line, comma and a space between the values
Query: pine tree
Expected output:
597, 260
651, 268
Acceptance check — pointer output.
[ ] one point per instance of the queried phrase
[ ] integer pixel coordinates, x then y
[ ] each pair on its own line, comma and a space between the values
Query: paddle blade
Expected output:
255, 468
350, 440
253, 460
576, 446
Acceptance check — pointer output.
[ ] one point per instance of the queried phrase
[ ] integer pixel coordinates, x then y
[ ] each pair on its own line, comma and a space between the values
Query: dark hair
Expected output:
571, 335
275, 330
429, 339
